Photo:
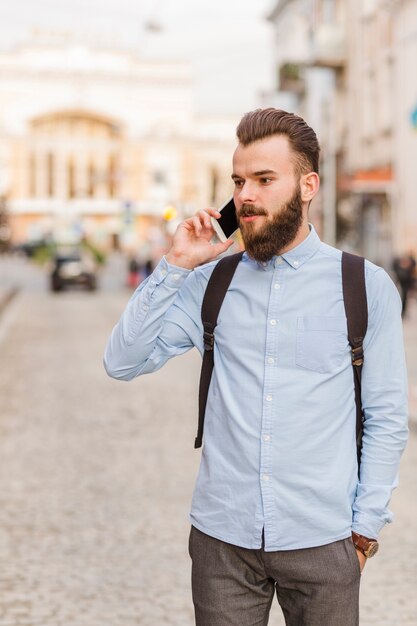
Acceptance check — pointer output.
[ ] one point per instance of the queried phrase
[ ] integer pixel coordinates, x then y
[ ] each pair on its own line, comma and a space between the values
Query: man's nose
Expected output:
247, 193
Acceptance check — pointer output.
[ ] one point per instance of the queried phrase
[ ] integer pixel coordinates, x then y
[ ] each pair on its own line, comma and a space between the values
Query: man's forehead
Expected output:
269, 154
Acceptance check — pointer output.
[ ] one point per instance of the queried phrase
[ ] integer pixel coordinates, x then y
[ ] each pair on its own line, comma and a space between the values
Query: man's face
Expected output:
267, 196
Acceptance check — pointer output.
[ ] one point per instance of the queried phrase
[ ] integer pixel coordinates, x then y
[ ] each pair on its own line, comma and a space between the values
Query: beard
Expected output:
276, 234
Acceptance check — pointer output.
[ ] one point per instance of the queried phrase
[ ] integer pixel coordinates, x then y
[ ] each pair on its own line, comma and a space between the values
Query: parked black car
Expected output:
73, 269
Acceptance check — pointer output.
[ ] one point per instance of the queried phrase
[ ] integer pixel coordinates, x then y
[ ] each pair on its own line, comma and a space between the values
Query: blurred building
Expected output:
98, 142
368, 183
404, 94
310, 57
347, 67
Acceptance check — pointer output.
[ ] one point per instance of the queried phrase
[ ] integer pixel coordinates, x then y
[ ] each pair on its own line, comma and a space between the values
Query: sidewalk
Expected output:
6, 296
9, 283
18, 273
410, 341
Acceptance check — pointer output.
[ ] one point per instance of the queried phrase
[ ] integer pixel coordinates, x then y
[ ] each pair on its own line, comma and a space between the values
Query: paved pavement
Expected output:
96, 478
410, 339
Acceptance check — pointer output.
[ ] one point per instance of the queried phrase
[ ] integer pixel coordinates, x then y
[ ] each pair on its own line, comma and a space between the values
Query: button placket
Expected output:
270, 391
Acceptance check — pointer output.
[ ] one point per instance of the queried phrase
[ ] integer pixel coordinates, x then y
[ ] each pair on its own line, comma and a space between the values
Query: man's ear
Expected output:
309, 184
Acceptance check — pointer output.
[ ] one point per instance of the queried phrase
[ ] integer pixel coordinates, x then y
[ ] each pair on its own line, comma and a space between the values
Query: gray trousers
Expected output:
234, 586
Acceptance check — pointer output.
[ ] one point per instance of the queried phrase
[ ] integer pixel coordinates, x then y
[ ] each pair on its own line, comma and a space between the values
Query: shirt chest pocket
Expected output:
321, 342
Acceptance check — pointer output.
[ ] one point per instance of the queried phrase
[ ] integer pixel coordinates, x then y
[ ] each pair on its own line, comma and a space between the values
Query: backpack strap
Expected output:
216, 289
356, 308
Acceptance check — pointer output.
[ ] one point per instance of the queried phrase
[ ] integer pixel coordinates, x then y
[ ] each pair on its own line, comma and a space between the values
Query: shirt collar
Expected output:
296, 257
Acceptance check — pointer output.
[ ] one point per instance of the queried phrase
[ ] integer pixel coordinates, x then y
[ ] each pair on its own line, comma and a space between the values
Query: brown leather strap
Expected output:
360, 541
368, 547
216, 289
356, 308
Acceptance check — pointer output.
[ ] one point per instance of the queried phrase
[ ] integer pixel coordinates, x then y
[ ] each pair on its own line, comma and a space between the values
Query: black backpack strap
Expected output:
213, 299
356, 307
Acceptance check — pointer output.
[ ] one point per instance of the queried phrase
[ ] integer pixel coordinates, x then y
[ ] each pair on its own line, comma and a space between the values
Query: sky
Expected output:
228, 41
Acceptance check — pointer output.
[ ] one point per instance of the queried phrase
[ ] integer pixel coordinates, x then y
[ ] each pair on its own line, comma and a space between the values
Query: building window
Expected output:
73, 136
159, 177
214, 184
50, 169
71, 179
112, 176
32, 175
91, 180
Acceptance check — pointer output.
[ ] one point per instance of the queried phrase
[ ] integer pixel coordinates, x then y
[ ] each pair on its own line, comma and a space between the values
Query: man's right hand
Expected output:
191, 245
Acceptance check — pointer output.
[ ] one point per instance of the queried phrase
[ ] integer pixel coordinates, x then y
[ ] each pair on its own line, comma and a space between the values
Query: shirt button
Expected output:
176, 276
265, 477
296, 263
269, 398
145, 307
163, 272
267, 437
273, 322
277, 286
271, 361
279, 261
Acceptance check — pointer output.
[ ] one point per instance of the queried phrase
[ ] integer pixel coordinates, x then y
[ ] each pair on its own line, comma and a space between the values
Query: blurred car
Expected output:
73, 269
30, 248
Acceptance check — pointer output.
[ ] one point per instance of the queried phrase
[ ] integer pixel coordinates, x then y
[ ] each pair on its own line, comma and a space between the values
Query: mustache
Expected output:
248, 210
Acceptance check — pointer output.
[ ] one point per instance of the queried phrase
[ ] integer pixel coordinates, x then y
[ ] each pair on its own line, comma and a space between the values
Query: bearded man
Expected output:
278, 506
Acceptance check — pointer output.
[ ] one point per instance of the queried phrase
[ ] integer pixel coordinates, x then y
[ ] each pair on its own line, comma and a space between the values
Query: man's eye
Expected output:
238, 183
265, 181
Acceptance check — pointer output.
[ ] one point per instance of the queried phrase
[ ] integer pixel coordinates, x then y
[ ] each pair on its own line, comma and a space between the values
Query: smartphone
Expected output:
227, 224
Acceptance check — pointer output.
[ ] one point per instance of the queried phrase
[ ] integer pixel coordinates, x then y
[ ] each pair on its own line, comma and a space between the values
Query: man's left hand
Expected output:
362, 559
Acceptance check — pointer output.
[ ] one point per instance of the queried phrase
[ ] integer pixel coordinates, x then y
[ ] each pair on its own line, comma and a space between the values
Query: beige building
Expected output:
97, 142
367, 186
310, 51
381, 125
354, 65
404, 90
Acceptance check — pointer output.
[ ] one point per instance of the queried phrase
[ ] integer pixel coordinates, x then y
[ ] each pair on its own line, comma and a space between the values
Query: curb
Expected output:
6, 297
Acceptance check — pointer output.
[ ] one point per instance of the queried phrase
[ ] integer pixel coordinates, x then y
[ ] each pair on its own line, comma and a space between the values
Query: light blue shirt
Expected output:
279, 449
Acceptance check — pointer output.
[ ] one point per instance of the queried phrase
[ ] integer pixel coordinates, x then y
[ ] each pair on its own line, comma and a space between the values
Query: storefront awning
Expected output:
376, 180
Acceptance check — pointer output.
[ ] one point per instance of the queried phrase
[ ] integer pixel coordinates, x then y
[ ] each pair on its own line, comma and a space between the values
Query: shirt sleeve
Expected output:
161, 320
384, 401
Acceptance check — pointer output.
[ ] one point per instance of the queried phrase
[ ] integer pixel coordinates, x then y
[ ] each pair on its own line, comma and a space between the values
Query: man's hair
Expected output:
263, 123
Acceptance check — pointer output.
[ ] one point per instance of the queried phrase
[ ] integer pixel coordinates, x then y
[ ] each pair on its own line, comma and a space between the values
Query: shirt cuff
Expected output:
368, 528
170, 275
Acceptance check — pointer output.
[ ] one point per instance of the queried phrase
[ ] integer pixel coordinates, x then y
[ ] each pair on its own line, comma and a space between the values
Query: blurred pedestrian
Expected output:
133, 276
278, 505
404, 267
148, 267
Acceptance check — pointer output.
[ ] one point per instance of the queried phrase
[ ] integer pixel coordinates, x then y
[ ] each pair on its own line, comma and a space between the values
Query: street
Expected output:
96, 475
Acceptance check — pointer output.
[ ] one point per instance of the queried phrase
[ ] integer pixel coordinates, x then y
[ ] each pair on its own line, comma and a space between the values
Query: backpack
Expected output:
356, 309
